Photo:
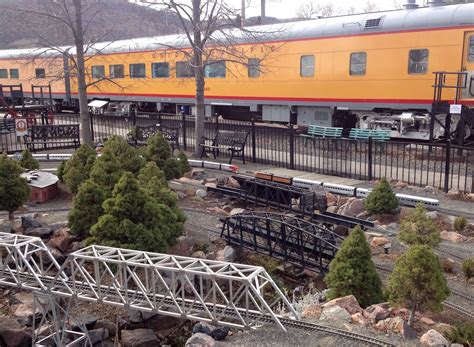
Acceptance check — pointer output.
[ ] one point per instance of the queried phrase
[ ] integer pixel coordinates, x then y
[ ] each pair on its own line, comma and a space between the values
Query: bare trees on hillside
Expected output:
65, 20
212, 35
315, 9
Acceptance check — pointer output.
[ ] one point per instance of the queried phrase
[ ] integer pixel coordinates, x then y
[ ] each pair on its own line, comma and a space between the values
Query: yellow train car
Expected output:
370, 71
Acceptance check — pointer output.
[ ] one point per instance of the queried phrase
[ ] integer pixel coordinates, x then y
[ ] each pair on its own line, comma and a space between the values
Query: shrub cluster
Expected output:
418, 229
468, 268
460, 223
352, 271
14, 190
381, 199
122, 197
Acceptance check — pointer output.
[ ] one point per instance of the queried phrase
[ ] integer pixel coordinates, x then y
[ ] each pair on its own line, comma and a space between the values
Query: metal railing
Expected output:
440, 165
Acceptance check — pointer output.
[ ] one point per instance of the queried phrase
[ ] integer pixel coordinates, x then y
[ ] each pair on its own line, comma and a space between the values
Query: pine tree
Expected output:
151, 170
134, 219
27, 161
381, 199
106, 171
418, 229
127, 156
353, 272
157, 150
172, 168
78, 167
87, 208
417, 281
14, 191
153, 180
183, 161
60, 170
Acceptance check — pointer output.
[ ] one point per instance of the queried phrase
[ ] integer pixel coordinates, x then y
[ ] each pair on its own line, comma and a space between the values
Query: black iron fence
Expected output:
442, 166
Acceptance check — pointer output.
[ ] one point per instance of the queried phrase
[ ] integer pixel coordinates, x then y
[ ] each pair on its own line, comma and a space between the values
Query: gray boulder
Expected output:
87, 320
42, 232
29, 222
139, 338
200, 340
106, 324
227, 254
6, 228
433, 338
12, 333
98, 335
336, 313
202, 193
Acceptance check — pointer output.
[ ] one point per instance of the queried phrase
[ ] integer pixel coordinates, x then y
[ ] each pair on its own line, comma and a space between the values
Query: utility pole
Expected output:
262, 10
243, 11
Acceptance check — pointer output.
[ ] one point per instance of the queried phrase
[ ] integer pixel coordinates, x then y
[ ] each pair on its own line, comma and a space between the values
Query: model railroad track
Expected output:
459, 254
446, 303
456, 213
62, 290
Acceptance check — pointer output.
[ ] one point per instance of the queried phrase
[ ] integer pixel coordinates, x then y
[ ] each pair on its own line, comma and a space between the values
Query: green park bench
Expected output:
364, 134
320, 131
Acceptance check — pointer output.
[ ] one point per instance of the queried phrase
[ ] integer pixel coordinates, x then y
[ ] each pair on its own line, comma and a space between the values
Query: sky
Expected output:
289, 8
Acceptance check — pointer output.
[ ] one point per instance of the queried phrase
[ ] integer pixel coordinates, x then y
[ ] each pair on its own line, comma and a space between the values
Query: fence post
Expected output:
254, 145
292, 147
91, 117
447, 165
133, 115
369, 159
183, 122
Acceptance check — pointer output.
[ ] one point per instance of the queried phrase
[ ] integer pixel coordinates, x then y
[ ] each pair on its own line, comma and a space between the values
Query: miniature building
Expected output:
44, 185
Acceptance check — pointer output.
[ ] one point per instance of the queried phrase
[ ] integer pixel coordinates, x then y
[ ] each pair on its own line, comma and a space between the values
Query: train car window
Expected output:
160, 70
98, 72
358, 64
14, 73
418, 61
40, 73
470, 53
184, 69
3, 73
215, 69
254, 67
307, 66
116, 71
137, 71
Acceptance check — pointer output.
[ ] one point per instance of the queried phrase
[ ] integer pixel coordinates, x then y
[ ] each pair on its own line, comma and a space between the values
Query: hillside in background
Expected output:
113, 20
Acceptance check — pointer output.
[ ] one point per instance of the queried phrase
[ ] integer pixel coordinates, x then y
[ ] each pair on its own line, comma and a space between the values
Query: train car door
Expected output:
468, 64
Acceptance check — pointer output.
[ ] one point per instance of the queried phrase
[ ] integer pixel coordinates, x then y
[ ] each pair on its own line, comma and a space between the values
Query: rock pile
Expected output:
381, 317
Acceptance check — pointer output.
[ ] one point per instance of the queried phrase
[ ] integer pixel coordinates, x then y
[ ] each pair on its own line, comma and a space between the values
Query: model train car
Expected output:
407, 200
370, 70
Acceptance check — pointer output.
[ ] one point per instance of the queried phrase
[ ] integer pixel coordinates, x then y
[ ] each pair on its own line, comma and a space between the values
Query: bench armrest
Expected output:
234, 143
204, 139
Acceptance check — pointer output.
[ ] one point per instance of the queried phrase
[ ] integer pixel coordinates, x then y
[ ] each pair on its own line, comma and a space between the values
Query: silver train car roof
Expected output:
386, 21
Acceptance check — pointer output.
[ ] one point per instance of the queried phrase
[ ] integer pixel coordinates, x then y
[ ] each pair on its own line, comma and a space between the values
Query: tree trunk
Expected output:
11, 216
199, 76
412, 315
86, 134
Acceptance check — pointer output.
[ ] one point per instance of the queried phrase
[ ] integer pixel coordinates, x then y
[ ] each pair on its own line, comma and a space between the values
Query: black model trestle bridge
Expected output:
298, 200
286, 237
